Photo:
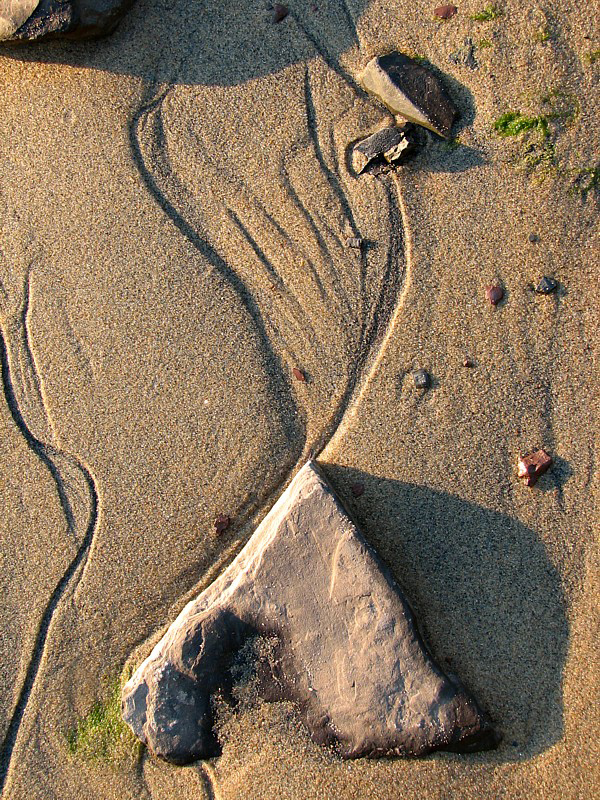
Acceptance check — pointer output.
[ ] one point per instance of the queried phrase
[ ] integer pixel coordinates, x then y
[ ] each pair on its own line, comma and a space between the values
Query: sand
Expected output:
174, 204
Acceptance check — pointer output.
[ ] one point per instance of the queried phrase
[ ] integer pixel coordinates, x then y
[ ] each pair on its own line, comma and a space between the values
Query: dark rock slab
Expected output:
385, 148
411, 90
349, 653
69, 19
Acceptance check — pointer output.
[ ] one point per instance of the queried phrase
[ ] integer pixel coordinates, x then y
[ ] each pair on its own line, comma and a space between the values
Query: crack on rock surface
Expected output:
349, 653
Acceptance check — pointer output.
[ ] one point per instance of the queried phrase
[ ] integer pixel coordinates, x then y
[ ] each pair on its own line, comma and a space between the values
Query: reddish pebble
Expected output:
445, 12
494, 294
357, 489
299, 375
533, 465
222, 522
280, 12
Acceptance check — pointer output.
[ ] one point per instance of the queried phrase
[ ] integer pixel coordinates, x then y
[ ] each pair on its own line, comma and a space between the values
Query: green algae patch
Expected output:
102, 736
586, 181
513, 123
488, 14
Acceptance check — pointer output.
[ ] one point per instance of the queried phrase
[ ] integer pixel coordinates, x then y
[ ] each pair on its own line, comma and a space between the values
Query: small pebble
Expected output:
421, 379
468, 363
280, 12
222, 522
299, 375
533, 238
355, 242
494, 294
357, 489
445, 12
533, 465
546, 286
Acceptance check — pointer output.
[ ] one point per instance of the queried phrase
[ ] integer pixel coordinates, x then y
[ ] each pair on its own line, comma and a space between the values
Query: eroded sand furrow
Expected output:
58, 464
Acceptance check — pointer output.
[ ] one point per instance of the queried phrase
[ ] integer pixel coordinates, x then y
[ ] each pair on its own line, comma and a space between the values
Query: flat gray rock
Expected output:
24, 21
389, 146
409, 89
348, 651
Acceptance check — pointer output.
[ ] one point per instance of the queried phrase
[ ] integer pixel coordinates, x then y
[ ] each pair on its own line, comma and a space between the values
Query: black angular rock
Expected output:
411, 90
421, 379
385, 148
344, 643
69, 19
546, 285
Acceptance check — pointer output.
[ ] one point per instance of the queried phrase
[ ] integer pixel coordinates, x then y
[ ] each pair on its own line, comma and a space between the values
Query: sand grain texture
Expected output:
154, 185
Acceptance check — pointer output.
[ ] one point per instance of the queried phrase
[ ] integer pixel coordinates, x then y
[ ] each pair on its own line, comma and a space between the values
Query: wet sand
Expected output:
174, 205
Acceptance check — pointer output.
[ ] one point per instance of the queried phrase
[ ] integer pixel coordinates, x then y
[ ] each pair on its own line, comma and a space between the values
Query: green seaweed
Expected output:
586, 180
563, 106
513, 123
542, 34
102, 735
483, 43
487, 14
591, 58
453, 143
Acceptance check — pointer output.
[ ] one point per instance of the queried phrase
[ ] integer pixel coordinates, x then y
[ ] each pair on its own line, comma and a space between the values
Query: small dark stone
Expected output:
445, 12
385, 148
421, 379
280, 12
354, 242
533, 238
547, 285
222, 522
494, 294
468, 363
357, 489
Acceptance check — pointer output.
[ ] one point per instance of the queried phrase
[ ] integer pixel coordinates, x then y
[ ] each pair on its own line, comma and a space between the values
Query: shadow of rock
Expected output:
204, 43
486, 595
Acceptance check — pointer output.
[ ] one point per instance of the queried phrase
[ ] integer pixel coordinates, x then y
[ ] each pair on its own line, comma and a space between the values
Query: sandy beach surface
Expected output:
174, 207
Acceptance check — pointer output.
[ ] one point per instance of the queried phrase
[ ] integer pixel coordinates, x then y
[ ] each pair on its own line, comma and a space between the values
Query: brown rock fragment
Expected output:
222, 522
494, 294
299, 375
445, 12
533, 465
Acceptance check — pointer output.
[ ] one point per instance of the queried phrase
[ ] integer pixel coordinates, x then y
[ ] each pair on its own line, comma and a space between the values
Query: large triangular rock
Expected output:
349, 653
409, 89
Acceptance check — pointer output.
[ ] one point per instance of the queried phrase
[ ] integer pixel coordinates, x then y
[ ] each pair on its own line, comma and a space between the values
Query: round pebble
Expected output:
494, 294
421, 379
